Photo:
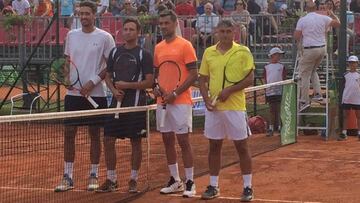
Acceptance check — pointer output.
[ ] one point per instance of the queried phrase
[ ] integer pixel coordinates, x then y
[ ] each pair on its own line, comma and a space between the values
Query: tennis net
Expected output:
32, 154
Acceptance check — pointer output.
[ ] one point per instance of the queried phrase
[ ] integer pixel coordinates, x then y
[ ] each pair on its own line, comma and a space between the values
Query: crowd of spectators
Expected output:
203, 14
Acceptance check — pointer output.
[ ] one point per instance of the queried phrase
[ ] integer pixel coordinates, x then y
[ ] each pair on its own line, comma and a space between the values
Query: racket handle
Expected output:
162, 116
118, 105
214, 101
92, 102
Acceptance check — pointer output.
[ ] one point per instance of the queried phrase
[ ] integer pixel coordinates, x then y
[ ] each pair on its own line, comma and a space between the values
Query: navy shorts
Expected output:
273, 99
350, 106
78, 103
128, 125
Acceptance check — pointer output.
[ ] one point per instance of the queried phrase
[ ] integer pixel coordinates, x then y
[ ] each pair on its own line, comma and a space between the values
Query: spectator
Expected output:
311, 30
101, 9
263, 5
228, 5
152, 6
272, 7
116, 7
241, 19
7, 10
44, 9
253, 7
274, 72
350, 19
355, 6
75, 18
200, 8
330, 5
21, 7
351, 95
67, 10
205, 26
128, 10
279, 3
168, 3
184, 8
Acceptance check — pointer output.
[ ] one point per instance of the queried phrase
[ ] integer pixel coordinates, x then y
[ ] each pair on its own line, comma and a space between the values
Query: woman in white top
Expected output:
241, 19
351, 94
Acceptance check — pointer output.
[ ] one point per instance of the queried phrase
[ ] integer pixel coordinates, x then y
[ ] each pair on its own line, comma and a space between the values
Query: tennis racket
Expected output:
125, 69
64, 72
167, 81
233, 72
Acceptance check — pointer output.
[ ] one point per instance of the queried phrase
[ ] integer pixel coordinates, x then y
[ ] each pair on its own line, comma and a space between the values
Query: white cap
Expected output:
283, 7
353, 58
275, 50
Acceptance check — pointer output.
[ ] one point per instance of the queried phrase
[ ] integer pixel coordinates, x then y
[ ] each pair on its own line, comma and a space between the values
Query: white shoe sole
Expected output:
189, 195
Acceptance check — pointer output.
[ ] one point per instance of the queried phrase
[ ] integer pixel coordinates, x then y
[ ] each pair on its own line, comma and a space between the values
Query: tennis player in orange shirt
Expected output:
177, 120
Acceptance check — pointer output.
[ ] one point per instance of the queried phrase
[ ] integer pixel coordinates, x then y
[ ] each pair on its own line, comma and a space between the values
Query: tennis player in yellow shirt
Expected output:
226, 70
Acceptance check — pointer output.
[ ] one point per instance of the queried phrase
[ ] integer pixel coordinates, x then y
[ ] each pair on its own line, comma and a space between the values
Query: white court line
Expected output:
312, 159
238, 198
322, 150
47, 189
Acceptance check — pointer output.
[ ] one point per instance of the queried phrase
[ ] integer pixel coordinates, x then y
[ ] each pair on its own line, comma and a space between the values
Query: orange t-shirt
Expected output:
44, 6
182, 52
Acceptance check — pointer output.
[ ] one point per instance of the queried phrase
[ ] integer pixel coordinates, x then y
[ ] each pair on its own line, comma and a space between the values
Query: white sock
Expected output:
68, 169
247, 180
189, 174
134, 175
94, 169
344, 132
174, 171
111, 175
214, 181
271, 127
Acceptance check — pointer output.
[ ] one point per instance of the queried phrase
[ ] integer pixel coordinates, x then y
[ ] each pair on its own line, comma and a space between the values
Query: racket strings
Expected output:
169, 76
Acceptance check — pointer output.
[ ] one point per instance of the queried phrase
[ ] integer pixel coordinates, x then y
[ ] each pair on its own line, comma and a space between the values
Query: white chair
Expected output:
198, 107
19, 97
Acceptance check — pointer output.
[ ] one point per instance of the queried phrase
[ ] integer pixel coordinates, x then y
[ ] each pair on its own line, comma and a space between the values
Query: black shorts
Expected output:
350, 106
128, 125
273, 99
78, 103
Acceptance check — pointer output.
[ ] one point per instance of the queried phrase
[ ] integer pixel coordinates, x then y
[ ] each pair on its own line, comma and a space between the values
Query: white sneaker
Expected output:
303, 106
190, 190
93, 183
172, 187
317, 98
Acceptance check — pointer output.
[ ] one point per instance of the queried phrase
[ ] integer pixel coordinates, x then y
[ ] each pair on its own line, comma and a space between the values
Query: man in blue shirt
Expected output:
67, 10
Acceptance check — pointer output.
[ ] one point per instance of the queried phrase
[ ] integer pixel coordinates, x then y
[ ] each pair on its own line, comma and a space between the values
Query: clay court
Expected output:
310, 170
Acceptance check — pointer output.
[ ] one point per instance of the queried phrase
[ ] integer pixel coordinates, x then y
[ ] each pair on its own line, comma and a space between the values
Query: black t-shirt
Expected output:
140, 65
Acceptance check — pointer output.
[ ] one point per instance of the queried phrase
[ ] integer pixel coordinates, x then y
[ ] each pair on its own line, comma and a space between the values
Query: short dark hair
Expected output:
225, 23
170, 13
89, 4
133, 20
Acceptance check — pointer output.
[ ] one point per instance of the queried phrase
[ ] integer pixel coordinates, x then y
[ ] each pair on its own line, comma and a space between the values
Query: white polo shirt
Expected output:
20, 6
89, 52
274, 72
351, 94
102, 4
206, 23
313, 27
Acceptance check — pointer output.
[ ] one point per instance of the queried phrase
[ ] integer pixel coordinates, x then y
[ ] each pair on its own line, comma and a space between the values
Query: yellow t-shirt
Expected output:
213, 64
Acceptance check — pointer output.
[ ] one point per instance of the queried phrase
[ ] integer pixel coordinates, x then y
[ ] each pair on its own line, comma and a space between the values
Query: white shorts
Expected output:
230, 124
178, 118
